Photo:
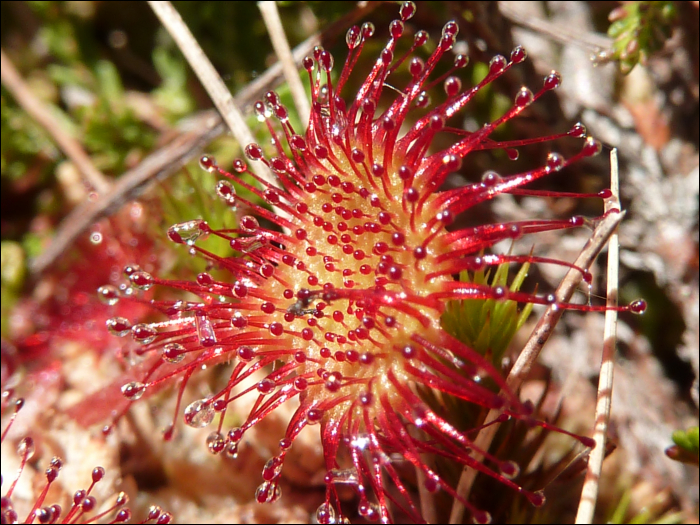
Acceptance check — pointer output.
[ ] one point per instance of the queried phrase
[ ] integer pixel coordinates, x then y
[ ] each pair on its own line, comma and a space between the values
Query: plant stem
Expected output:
211, 81
589, 494
531, 351
595, 42
196, 132
39, 111
271, 17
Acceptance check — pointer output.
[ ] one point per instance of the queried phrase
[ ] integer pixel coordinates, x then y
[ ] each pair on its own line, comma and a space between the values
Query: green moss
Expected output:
488, 326
639, 29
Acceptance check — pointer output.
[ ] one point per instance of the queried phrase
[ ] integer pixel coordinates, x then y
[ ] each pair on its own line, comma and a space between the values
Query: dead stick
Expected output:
279, 41
589, 494
211, 81
37, 110
201, 130
594, 42
184, 148
531, 351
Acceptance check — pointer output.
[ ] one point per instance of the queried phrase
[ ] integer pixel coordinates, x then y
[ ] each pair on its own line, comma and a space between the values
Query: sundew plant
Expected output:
84, 506
335, 285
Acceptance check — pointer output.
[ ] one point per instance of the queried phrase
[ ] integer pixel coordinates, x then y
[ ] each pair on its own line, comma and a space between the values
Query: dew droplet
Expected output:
524, 97
452, 86
253, 151
108, 294
207, 163
134, 390
97, 474
259, 110
518, 54
326, 61
297, 142
118, 326
143, 333
235, 434
450, 29
325, 513
552, 81
268, 492
347, 476
369, 511
266, 386
282, 113
353, 37
231, 450
416, 67
509, 469
423, 100
26, 448
396, 29
497, 64
314, 416
141, 280
249, 223
592, 147
226, 191
216, 442
205, 330
272, 468
638, 307
246, 353
537, 498
407, 10
173, 353
130, 268
187, 232
578, 130
199, 414
555, 162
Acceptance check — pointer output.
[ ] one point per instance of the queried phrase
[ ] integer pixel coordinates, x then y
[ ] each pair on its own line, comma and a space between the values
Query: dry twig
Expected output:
589, 495
291, 73
185, 147
37, 110
211, 81
201, 130
566, 35
531, 351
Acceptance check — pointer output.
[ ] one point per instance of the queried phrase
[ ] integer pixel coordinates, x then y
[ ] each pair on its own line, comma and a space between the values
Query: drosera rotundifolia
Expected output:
335, 291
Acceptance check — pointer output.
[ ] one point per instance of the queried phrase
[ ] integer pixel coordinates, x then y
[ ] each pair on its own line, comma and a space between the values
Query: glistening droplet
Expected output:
268, 492
118, 326
199, 414
226, 191
325, 514
205, 330
216, 442
141, 280
187, 232
108, 294
524, 98
510, 469
342, 476
173, 353
134, 390
25, 448
143, 333
555, 162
